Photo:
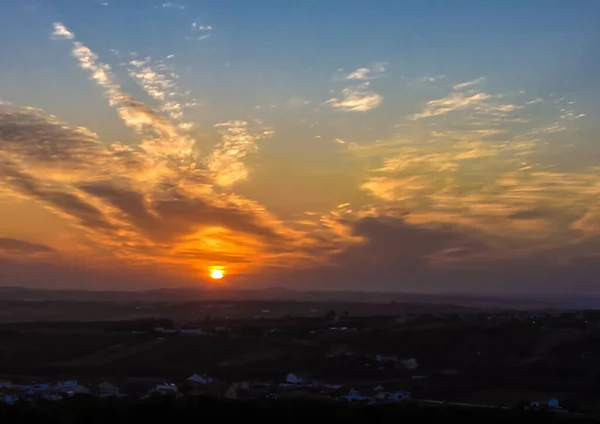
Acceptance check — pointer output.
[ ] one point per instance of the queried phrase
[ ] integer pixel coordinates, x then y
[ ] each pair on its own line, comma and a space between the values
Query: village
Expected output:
503, 359
296, 386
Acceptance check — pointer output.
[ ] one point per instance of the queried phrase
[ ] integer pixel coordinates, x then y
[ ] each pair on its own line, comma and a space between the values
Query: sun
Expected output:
217, 274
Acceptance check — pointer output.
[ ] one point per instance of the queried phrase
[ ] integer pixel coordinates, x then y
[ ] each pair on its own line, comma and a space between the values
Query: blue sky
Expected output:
468, 121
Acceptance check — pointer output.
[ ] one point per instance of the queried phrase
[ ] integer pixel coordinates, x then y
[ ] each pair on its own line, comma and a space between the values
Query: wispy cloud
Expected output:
480, 172
226, 161
158, 79
170, 5
356, 99
359, 97
199, 31
364, 74
450, 103
432, 79
467, 84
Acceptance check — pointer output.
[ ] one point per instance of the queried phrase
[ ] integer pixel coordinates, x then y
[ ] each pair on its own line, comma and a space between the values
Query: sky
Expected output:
417, 146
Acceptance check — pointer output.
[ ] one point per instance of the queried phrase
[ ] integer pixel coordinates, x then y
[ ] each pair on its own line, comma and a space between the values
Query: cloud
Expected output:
364, 74
196, 26
467, 84
61, 32
443, 200
225, 162
20, 246
156, 199
356, 99
359, 97
432, 79
170, 5
158, 80
451, 103
199, 28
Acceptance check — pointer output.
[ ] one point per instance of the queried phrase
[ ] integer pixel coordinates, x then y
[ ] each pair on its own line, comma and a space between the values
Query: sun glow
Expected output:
217, 273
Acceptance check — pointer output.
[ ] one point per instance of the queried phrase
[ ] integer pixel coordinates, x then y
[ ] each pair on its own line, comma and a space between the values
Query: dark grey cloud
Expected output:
396, 256
31, 135
69, 203
166, 220
21, 246
531, 214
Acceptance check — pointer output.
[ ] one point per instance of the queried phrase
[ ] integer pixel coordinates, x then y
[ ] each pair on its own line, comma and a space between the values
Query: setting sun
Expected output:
217, 274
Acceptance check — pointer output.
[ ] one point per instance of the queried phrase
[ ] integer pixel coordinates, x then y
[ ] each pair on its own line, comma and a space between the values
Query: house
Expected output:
381, 396
399, 395
165, 389
296, 378
42, 387
106, 388
9, 399
231, 392
199, 379
553, 403
70, 387
410, 363
386, 358
355, 396
51, 397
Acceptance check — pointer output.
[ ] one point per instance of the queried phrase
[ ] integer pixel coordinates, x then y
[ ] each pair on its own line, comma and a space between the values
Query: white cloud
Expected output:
61, 32
432, 79
198, 37
197, 27
450, 103
364, 74
226, 161
170, 5
468, 84
356, 99
158, 80
359, 98
162, 138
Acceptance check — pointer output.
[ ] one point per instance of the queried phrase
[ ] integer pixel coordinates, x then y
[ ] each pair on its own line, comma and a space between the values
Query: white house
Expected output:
199, 379
9, 399
355, 396
553, 403
400, 395
70, 387
166, 389
296, 378
106, 388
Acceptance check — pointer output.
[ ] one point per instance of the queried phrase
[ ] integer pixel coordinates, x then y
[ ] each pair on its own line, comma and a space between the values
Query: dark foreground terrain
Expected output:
206, 410
382, 355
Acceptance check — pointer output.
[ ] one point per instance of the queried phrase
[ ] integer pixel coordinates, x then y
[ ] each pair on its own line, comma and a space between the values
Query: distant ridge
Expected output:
185, 294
